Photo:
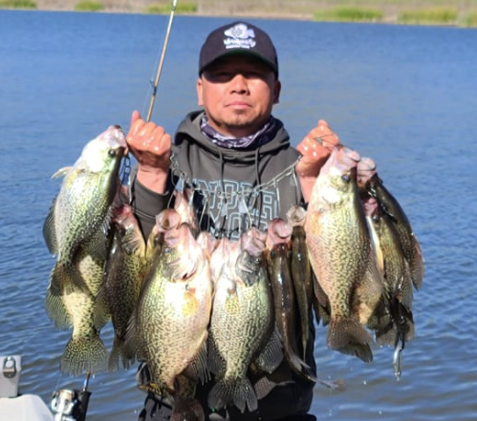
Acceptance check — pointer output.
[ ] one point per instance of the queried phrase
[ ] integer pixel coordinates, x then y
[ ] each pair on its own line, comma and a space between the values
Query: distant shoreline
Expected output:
424, 12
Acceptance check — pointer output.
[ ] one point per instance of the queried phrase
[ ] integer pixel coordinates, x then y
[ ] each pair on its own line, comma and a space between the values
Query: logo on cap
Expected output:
239, 36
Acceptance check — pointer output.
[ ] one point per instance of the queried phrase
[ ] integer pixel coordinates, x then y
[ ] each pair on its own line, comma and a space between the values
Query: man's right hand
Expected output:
151, 146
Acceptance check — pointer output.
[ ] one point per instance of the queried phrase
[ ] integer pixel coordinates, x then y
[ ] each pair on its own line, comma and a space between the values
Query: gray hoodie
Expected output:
234, 188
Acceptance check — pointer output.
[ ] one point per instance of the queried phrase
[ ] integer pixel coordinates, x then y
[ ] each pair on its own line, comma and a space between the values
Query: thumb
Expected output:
135, 116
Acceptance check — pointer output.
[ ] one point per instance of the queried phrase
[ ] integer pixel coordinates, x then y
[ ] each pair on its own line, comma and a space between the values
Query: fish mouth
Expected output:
115, 137
366, 170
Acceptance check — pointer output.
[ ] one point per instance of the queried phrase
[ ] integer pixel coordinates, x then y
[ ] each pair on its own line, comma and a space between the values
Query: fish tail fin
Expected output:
118, 356
84, 354
348, 336
239, 393
308, 372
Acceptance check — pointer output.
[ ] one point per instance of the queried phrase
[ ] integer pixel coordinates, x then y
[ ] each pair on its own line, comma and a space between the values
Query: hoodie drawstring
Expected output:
224, 202
257, 177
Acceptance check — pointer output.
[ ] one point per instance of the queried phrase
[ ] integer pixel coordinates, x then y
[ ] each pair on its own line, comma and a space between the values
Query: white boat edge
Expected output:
25, 408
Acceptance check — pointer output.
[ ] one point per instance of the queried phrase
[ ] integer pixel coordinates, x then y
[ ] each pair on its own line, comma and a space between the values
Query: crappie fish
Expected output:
340, 253
124, 275
85, 351
173, 311
241, 322
285, 305
369, 180
80, 214
301, 272
393, 320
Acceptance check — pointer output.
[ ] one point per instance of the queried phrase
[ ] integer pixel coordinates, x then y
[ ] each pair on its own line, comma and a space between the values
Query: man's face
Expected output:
237, 93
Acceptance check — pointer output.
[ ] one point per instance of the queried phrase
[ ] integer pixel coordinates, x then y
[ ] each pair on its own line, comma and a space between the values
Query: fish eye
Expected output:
112, 153
346, 178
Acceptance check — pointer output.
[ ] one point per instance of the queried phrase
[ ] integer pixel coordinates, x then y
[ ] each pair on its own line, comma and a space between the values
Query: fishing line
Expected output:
161, 61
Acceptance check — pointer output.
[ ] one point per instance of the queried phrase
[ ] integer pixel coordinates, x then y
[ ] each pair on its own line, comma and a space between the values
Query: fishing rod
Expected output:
161, 62
127, 166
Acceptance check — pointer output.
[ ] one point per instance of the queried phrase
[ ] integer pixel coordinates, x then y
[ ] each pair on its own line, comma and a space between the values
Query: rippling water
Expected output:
404, 96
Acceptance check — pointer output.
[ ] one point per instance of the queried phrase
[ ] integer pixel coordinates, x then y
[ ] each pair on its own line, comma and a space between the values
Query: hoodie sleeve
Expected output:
147, 204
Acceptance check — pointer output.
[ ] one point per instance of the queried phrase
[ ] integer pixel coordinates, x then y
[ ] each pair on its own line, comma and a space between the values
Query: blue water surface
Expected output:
403, 95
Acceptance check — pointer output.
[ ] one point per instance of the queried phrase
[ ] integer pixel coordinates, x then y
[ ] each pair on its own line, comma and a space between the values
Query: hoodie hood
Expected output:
190, 130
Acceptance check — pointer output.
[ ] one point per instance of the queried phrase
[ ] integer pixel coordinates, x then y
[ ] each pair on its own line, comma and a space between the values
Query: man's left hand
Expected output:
315, 149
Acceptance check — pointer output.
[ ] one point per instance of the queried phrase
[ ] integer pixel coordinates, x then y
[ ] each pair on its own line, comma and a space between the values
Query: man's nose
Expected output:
239, 83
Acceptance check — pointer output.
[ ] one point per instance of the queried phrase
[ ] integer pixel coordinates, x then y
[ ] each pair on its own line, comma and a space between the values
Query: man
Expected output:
238, 160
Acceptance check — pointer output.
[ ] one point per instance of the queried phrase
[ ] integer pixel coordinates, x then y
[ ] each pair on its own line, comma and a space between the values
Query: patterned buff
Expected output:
263, 136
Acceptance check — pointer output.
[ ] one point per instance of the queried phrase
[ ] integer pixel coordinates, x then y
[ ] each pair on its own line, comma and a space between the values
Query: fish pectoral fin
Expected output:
197, 369
62, 172
271, 354
55, 308
66, 279
97, 246
49, 232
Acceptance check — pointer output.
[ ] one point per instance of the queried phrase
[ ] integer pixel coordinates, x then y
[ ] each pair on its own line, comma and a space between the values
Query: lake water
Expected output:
403, 95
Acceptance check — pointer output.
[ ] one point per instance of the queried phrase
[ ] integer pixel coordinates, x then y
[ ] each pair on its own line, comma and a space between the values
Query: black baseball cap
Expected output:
238, 38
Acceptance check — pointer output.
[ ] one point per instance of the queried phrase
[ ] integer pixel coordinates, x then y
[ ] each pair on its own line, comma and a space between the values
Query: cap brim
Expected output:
239, 53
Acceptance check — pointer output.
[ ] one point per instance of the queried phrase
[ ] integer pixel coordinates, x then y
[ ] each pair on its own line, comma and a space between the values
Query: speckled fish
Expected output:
173, 312
124, 275
370, 180
80, 214
85, 350
242, 320
393, 320
301, 272
285, 305
339, 245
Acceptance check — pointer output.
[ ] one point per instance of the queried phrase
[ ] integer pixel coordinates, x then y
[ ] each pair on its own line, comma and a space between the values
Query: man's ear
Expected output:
276, 93
198, 86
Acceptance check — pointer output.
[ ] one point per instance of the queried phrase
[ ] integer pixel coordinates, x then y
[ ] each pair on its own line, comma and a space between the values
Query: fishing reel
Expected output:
70, 404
